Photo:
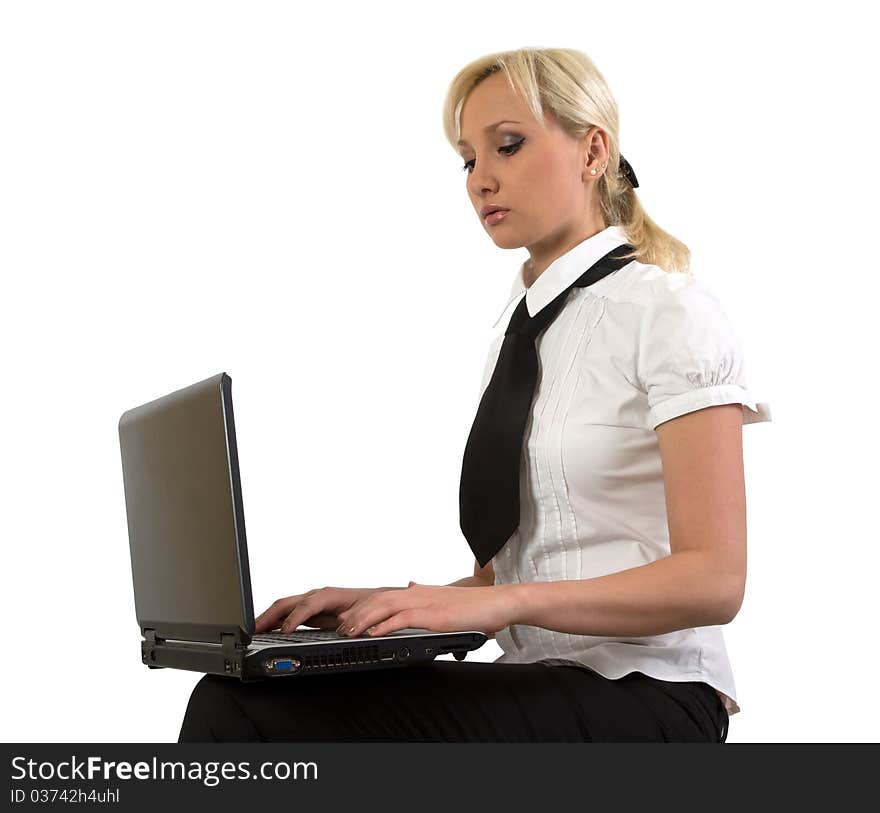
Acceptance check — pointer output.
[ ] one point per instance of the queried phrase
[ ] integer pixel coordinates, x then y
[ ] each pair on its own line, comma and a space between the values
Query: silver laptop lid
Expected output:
183, 502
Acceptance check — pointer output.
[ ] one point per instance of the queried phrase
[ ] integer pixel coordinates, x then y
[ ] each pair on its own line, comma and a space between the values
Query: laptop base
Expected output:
266, 661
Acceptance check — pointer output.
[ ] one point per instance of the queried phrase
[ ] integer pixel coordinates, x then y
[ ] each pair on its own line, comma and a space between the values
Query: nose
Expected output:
480, 192
480, 183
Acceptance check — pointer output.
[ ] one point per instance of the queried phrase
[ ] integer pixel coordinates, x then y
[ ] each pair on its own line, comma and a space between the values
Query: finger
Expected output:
367, 611
270, 617
399, 621
346, 626
311, 604
377, 610
323, 621
266, 619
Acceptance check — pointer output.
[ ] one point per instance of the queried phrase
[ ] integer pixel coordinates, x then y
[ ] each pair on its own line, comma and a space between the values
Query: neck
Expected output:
542, 256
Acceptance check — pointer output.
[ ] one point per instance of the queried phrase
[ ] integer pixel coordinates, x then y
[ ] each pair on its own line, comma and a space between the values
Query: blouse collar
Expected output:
564, 270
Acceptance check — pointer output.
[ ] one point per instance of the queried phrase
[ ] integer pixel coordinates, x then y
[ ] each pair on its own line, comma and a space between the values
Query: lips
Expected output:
495, 217
487, 210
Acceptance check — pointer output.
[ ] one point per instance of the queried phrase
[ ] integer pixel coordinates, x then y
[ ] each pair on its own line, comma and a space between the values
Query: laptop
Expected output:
189, 556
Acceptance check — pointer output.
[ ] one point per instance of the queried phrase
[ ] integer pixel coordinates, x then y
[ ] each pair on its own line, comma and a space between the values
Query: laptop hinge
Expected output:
229, 643
149, 645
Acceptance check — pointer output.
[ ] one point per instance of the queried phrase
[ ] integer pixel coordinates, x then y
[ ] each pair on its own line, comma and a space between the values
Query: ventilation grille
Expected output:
344, 656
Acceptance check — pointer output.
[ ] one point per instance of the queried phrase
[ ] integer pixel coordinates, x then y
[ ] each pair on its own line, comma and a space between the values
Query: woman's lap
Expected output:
452, 701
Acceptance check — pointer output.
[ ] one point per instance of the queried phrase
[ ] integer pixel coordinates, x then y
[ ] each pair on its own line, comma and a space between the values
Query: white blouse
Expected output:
636, 348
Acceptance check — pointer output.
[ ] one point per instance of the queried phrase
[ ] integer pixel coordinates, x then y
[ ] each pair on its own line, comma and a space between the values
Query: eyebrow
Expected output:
491, 127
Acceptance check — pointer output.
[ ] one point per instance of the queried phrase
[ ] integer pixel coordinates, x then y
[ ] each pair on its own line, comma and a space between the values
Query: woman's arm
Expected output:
483, 577
469, 581
702, 582
677, 592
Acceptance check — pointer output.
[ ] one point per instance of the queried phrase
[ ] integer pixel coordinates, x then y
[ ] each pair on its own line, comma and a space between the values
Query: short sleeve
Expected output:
690, 357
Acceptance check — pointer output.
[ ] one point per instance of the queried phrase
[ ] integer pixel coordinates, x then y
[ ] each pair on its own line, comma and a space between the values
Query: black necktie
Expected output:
489, 491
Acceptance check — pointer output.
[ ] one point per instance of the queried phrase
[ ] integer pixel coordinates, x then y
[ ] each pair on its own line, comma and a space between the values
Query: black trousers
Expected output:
455, 701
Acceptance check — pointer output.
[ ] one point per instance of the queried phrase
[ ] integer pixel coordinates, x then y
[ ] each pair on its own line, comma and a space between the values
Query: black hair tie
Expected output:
628, 172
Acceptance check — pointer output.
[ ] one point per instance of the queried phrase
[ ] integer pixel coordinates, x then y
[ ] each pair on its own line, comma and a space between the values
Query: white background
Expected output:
265, 189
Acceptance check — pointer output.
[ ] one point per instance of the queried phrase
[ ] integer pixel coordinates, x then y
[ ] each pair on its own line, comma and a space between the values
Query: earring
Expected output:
593, 171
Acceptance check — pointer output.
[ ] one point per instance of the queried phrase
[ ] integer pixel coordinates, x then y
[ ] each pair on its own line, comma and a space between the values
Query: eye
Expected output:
507, 149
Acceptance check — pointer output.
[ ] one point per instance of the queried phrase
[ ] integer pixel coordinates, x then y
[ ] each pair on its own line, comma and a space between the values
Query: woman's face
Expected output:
541, 175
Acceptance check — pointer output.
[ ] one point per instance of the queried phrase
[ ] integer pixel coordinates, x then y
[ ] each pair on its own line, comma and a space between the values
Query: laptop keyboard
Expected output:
296, 637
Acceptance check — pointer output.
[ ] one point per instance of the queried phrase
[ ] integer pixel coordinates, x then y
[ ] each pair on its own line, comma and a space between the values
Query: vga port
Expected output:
279, 665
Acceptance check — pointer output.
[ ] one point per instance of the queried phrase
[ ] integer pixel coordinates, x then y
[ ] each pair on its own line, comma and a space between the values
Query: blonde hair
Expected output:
566, 82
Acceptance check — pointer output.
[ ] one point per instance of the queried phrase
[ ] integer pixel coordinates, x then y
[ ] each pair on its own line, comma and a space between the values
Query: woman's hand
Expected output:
317, 608
440, 608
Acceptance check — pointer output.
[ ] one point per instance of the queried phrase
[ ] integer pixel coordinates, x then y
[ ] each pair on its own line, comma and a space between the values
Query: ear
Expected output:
595, 152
